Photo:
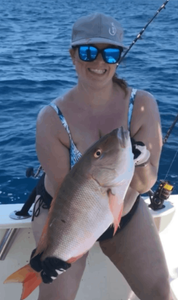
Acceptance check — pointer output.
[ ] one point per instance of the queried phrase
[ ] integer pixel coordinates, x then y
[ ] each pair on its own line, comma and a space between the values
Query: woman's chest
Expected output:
87, 128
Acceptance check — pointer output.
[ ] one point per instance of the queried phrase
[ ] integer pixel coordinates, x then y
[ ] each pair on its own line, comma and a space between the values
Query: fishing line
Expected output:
165, 140
142, 31
171, 164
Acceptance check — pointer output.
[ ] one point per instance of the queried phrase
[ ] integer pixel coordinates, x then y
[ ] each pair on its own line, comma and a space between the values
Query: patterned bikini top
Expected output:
74, 152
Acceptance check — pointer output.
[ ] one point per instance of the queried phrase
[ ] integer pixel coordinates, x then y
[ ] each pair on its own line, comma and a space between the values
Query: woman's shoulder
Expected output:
50, 112
144, 98
144, 102
145, 110
46, 110
49, 124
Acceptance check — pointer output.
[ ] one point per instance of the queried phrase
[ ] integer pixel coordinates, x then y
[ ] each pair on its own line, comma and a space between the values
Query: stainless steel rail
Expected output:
11, 234
7, 241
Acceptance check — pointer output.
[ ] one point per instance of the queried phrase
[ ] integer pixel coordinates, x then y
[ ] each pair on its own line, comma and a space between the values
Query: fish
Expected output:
89, 201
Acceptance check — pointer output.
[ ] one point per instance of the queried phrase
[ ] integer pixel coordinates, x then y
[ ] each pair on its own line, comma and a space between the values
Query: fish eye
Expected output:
97, 153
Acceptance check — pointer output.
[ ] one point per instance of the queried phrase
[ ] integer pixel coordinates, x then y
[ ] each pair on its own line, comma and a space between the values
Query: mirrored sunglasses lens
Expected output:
87, 53
112, 55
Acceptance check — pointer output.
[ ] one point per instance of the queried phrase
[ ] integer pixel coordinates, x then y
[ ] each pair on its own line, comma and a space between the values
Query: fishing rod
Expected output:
165, 188
142, 31
170, 129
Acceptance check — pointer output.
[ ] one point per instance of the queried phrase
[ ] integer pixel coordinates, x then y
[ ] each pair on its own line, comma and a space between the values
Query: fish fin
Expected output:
116, 209
28, 277
73, 259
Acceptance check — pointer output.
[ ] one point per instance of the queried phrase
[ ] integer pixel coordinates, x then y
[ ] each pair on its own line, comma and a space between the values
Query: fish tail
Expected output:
28, 277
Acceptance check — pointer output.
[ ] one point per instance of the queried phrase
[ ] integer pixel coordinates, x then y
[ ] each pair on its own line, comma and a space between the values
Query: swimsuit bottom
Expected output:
45, 200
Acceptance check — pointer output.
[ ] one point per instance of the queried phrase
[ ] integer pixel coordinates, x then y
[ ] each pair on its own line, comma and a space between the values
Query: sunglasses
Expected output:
111, 55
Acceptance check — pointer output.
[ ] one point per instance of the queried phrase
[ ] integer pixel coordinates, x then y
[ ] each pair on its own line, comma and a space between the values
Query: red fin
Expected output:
73, 259
116, 209
28, 277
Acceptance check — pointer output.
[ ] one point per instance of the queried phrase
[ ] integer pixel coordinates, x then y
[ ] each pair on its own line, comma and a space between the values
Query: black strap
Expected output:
28, 204
38, 204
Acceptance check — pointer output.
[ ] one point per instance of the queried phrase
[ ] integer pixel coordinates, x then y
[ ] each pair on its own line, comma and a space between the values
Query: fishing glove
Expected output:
50, 268
141, 153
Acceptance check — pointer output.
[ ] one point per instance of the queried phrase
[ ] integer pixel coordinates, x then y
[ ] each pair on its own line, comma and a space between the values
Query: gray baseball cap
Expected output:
97, 28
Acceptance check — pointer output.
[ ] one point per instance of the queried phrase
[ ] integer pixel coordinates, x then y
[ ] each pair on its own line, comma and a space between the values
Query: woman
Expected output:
99, 103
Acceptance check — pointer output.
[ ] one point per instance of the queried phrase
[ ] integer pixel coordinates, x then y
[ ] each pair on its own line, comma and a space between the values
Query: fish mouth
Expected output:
122, 134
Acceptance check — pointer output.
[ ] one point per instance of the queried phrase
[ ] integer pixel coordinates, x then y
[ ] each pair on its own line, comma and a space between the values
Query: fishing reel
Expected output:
30, 172
162, 193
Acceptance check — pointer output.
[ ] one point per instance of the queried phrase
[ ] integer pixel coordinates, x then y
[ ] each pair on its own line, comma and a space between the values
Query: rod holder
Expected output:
7, 242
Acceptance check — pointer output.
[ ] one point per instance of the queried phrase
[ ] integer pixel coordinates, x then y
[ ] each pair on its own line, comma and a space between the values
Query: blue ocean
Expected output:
35, 68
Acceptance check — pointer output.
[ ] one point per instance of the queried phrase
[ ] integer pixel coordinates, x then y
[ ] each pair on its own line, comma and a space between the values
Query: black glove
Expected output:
50, 268
141, 153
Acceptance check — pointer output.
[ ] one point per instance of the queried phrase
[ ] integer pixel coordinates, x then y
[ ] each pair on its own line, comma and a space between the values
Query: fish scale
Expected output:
83, 203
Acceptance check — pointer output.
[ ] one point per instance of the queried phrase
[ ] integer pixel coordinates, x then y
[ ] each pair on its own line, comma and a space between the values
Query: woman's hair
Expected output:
121, 82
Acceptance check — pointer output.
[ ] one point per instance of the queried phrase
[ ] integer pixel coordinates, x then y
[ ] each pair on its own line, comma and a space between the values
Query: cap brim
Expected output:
96, 41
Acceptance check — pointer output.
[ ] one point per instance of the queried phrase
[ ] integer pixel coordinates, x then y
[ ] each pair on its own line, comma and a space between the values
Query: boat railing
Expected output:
12, 222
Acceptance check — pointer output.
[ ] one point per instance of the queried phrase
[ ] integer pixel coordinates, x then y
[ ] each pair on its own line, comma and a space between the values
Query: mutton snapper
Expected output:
89, 200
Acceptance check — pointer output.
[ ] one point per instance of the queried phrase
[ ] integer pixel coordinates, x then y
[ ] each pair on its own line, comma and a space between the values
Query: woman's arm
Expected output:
52, 146
149, 132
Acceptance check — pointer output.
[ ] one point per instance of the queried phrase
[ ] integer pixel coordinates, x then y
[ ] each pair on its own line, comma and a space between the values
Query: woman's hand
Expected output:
141, 153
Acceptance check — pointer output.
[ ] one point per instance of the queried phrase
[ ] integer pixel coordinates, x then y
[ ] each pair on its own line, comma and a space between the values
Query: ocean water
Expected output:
35, 68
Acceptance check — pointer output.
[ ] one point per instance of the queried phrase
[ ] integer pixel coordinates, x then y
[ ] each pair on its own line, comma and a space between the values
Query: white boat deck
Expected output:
101, 280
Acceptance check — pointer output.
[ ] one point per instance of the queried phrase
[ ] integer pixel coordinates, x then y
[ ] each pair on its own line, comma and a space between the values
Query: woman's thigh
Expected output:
137, 252
66, 285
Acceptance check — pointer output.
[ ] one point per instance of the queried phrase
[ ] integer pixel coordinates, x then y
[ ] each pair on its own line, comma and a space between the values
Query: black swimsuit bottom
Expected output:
46, 199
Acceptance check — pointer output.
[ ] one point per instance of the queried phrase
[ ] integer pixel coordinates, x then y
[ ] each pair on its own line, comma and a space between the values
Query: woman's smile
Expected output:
97, 71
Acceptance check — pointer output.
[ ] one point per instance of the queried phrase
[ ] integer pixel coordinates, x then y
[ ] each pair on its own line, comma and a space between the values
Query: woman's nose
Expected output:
99, 57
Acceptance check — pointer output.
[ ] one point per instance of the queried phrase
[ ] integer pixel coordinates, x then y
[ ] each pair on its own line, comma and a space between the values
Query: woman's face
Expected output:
96, 72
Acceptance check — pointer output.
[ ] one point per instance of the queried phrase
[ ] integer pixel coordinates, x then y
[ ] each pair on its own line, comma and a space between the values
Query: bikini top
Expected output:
74, 152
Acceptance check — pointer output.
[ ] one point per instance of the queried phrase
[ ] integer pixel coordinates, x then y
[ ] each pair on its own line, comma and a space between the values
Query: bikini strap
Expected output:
62, 118
131, 105
74, 152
